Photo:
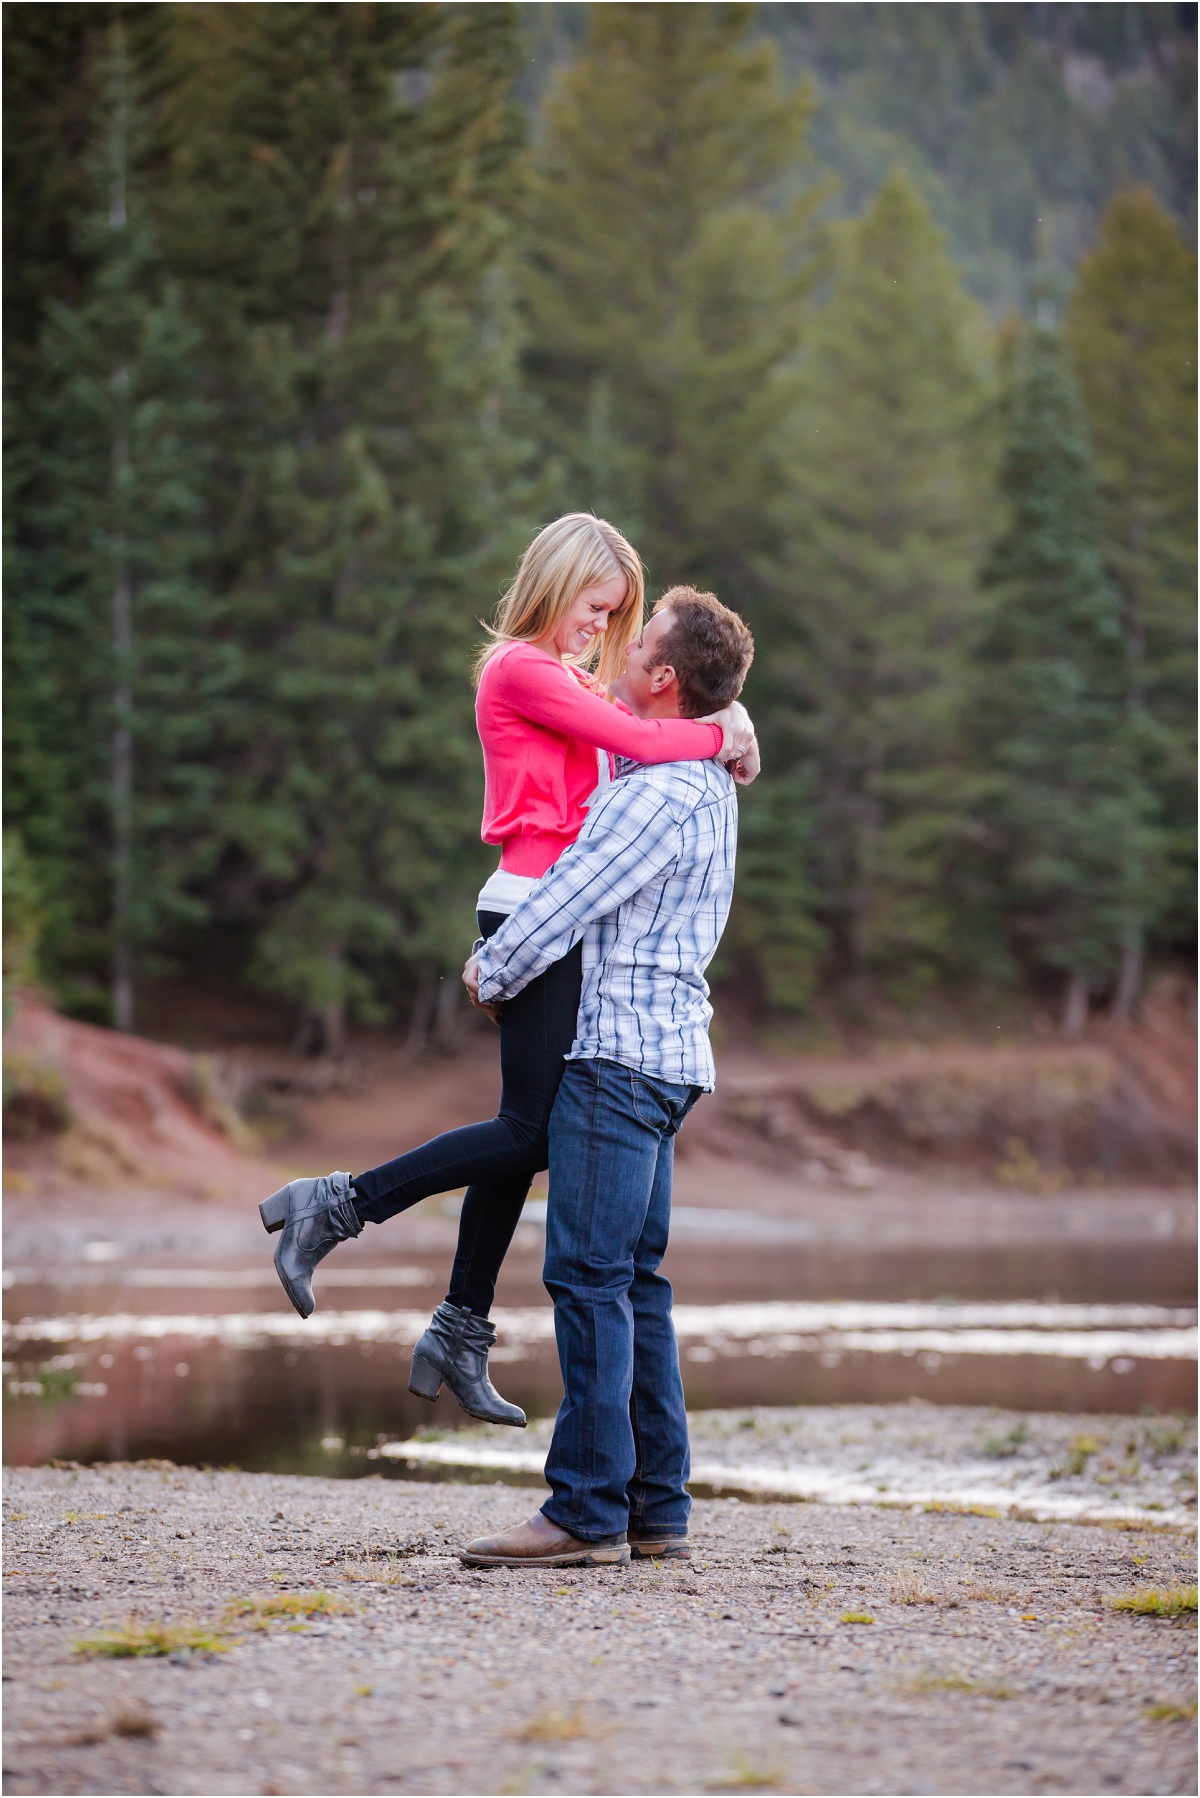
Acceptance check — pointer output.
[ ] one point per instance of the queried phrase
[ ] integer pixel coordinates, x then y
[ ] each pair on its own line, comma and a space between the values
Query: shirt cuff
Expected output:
490, 983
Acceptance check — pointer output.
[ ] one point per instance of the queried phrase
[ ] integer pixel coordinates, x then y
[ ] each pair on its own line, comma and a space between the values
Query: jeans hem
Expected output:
605, 1538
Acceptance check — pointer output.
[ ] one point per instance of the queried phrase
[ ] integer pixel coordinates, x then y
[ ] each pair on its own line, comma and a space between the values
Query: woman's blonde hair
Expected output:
574, 552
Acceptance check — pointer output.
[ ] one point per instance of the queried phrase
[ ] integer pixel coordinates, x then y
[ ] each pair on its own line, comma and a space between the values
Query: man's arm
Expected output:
628, 837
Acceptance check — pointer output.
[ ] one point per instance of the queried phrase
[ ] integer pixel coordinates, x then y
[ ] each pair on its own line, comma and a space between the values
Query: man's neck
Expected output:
658, 708
658, 705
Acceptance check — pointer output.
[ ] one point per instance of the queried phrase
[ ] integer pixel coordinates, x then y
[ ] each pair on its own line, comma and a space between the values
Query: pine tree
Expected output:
884, 521
1059, 799
661, 283
340, 179
109, 675
1132, 333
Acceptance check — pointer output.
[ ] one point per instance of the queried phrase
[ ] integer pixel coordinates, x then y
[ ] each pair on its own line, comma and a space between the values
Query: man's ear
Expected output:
661, 678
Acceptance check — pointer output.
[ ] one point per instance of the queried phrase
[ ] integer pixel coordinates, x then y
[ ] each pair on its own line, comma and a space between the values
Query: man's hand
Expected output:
470, 977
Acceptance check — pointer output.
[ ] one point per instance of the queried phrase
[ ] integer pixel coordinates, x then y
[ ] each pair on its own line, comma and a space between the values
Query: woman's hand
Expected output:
470, 977
747, 767
737, 731
738, 742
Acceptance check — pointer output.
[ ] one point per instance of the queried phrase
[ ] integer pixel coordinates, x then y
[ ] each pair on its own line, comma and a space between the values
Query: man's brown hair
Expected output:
709, 648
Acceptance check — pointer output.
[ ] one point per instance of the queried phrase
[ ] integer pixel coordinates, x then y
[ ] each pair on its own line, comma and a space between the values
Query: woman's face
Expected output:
586, 617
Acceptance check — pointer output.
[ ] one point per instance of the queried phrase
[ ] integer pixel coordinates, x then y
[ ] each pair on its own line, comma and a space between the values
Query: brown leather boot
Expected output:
540, 1543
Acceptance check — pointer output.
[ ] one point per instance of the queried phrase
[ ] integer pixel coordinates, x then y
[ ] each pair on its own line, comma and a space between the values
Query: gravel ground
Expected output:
992, 1663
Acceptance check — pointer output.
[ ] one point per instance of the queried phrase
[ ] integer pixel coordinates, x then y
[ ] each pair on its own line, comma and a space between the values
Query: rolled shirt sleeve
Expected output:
628, 838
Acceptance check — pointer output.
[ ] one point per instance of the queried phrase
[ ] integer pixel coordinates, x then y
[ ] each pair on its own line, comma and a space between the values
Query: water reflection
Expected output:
263, 1390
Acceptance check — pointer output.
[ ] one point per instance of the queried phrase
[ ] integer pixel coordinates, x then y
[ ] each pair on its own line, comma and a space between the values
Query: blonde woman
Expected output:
549, 731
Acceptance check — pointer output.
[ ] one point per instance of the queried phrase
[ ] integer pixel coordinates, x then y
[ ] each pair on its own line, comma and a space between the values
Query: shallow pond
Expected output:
208, 1365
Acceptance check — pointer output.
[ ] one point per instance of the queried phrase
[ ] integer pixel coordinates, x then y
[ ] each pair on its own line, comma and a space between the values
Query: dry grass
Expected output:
910, 1589
857, 1617
136, 1640
376, 1570
555, 1726
1155, 1601
132, 1723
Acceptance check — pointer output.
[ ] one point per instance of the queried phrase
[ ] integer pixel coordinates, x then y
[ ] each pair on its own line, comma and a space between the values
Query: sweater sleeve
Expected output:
543, 691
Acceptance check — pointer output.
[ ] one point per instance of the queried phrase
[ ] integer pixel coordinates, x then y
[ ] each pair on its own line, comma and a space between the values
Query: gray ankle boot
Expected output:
314, 1216
454, 1350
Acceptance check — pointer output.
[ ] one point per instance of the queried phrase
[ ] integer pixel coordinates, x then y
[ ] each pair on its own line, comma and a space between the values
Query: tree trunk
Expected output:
122, 602
1075, 1009
445, 1033
1129, 980
418, 1030
333, 1028
122, 799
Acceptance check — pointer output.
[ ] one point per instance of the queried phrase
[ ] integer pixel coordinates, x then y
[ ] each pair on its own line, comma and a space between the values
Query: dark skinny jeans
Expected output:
495, 1161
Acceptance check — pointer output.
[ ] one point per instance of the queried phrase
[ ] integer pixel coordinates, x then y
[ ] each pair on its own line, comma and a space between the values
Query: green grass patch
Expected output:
1156, 1601
1002, 1448
259, 1612
1171, 1713
959, 1682
1078, 1456
135, 1640
746, 1776
856, 1617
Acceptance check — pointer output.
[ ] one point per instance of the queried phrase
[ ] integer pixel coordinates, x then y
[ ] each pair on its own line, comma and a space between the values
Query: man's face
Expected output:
645, 675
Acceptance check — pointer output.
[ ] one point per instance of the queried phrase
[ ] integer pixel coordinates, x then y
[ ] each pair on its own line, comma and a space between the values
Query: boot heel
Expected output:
274, 1211
424, 1379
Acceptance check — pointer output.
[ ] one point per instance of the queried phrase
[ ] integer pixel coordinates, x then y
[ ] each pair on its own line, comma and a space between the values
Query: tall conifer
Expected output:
1132, 332
1060, 800
662, 290
341, 175
884, 520
110, 675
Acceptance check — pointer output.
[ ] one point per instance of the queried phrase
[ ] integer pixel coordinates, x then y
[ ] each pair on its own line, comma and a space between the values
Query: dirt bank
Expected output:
88, 1110
992, 1662
92, 1112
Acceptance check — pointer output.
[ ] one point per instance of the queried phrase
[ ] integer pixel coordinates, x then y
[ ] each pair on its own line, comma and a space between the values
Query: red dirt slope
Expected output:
95, 1108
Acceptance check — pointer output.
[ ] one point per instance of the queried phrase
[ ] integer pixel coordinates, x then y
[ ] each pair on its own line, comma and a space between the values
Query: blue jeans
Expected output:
619, 1458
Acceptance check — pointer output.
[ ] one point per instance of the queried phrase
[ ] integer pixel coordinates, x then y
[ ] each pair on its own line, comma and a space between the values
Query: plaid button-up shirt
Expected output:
647, 885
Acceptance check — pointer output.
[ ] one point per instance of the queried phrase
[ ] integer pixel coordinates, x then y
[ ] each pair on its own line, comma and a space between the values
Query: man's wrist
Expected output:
487, 976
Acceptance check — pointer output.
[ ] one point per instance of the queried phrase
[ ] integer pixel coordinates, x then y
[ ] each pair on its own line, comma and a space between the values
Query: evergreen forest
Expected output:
879, 320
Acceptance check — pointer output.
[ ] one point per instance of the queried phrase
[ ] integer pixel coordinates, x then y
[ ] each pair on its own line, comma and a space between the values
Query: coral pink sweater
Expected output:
541, 722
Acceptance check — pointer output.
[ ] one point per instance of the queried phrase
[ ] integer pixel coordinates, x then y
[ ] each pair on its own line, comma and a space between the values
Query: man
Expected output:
647, 885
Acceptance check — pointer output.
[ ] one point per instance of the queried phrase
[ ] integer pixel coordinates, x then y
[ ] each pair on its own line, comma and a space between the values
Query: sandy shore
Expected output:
1049, 1466
993, 1662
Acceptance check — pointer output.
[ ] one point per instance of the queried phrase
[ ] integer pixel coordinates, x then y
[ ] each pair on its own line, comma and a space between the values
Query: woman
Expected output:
548, 732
